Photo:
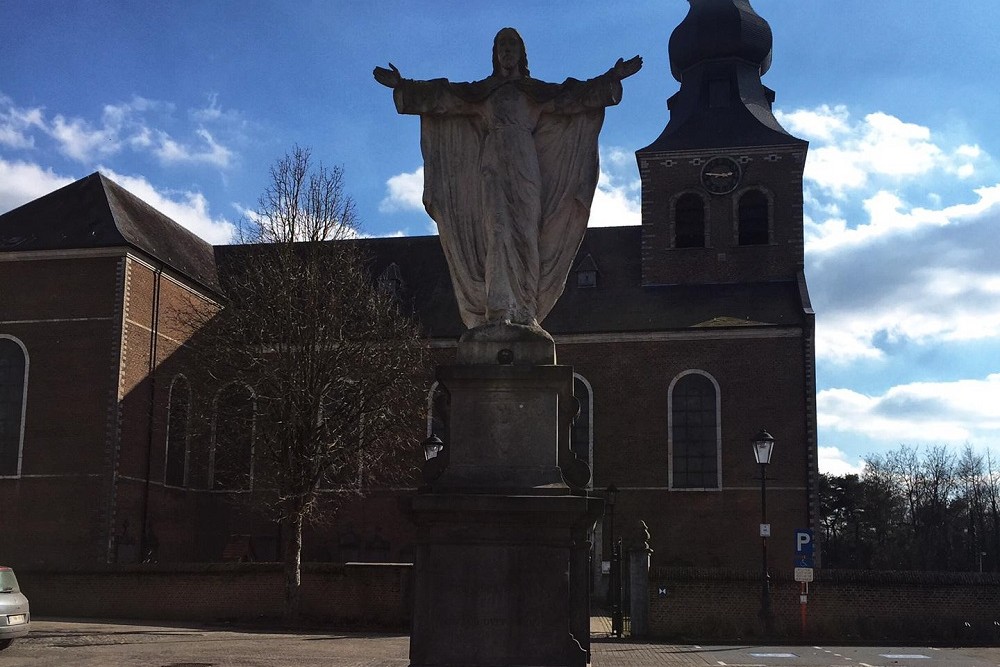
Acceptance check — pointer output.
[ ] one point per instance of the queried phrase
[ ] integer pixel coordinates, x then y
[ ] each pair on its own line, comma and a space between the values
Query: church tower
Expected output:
722, 184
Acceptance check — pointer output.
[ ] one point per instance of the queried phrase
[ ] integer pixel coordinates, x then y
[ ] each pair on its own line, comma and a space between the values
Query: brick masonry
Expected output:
345, 595
843, 605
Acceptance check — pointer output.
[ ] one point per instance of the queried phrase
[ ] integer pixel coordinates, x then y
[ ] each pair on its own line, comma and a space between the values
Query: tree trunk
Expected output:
293, 568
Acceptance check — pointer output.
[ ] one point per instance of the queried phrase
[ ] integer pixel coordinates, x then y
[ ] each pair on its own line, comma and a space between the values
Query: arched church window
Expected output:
13, 382
178, 420
689, 222
695, 436
232, 443
582, 433
753, 217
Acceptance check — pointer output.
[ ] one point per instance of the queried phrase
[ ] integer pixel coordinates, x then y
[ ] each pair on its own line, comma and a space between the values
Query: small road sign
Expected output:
804, 574
803, 542
765, 530
803, 561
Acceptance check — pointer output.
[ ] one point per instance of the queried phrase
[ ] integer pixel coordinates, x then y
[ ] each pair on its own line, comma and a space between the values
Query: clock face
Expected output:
720, 175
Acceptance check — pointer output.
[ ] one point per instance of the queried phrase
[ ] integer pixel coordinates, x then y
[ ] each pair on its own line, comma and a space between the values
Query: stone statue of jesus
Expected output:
510, 168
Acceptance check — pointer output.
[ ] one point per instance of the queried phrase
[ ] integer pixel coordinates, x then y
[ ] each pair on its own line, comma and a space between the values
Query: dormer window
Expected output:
586, 272
754, 217
391, 280
689, 222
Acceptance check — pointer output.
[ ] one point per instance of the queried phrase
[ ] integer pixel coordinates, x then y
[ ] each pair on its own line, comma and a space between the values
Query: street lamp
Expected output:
432, 446
763, 447
435, 458
614, 578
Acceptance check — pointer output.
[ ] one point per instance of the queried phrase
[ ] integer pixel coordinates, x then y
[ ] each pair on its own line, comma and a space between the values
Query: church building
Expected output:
687, 335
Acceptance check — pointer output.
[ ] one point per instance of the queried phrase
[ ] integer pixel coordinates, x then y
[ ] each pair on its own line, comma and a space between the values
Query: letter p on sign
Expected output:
803, 541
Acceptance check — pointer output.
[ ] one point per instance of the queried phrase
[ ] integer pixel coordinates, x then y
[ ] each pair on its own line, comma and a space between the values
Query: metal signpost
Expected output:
804, 568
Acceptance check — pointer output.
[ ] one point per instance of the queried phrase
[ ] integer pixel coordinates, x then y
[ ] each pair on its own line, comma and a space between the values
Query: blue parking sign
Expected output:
803, 542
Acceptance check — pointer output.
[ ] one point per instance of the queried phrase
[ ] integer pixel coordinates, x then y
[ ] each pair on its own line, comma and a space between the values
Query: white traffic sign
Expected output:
765, 530
803, 574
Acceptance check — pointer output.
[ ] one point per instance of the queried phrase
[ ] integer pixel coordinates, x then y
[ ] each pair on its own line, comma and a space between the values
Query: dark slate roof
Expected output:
619, 303
96, 212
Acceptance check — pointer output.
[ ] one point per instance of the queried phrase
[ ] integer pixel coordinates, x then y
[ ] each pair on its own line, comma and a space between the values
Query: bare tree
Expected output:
335, 371
930, 509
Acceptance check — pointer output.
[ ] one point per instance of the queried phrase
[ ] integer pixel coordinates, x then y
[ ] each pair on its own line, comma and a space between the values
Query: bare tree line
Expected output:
914, 509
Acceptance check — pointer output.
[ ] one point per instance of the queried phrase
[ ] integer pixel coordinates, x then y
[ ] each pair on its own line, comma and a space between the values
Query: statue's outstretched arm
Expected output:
391, 78
626, 68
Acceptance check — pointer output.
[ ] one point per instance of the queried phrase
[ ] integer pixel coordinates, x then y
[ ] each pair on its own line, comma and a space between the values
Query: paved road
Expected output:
89, 644
647, 655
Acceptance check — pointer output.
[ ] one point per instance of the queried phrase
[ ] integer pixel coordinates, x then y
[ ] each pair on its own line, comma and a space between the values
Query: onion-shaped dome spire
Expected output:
715, 29
718, 53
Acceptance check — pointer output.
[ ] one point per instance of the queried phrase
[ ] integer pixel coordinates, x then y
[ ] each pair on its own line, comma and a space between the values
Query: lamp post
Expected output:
614, 583
763, 446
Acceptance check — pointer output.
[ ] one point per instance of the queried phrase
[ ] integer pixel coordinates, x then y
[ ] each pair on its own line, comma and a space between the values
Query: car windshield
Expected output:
8, 582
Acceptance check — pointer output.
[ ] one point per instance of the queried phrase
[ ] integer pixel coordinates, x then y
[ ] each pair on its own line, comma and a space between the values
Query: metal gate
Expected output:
621, 591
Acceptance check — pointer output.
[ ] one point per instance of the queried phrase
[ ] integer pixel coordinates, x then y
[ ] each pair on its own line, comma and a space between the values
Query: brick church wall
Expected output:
65, 312
351, 595
843, 605
630, 383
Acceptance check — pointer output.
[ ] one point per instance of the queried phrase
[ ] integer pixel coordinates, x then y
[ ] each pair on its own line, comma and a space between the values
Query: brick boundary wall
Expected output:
353, 595
843, 605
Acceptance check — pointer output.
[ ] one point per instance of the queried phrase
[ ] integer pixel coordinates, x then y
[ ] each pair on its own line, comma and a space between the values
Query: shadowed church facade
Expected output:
687, 335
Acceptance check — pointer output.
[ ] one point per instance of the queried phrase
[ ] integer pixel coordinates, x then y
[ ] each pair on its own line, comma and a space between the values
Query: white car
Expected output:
15, 619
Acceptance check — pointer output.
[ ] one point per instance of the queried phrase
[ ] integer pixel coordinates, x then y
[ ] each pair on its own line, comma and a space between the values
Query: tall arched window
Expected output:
695, 434
13, 385
232, 443
582, 435
178, 420
689, 222
753, 217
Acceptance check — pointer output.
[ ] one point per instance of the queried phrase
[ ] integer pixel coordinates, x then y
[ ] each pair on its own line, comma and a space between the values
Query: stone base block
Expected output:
501, 580
509, 427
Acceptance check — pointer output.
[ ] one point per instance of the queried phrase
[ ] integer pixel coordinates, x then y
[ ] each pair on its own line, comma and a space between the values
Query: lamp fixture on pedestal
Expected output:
763, 447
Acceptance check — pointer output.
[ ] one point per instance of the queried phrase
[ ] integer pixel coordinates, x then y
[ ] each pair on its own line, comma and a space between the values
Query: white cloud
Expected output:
213, 153
615, 204
898, 234
405, 192
920, 412
16, 124
848, 155
128, 125
187, 208
833, 461
79, 141
21, 182
617, 199
823, 123
888, 215
917, 275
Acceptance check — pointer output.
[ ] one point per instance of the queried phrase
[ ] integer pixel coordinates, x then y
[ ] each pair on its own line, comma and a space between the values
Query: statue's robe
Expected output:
510, 168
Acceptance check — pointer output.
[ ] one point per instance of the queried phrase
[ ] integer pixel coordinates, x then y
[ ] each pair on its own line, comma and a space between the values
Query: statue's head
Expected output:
509, 53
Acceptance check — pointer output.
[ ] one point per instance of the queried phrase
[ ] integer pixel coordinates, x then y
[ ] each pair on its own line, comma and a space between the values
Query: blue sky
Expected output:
188, 103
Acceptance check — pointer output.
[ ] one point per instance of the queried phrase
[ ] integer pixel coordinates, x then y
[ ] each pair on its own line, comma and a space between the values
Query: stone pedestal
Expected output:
501, 567
508, 425
499, 580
